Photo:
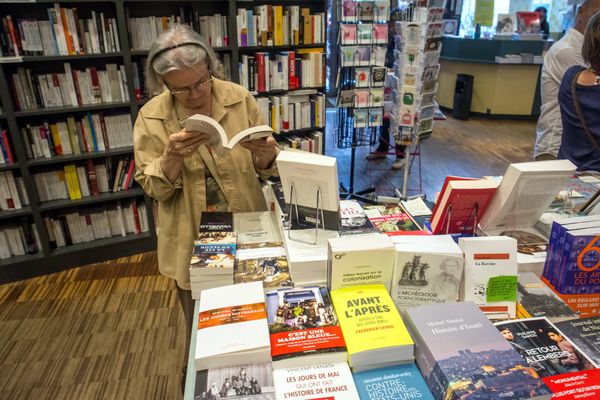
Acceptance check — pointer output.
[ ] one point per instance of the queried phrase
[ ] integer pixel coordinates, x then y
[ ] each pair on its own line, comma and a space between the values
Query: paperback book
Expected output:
491, 274
462, 355
428, 269
546, 349
373, 329
262, 262
246, 382
354, 261
392, 220
219, 137
233, 320
399, 382
585, 333
326, 381
535, 299
303, 328
353, 219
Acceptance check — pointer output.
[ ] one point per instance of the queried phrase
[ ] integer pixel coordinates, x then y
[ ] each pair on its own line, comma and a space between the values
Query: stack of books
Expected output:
214, 252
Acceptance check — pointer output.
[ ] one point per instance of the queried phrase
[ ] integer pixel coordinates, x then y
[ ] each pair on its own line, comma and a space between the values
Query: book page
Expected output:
202, 123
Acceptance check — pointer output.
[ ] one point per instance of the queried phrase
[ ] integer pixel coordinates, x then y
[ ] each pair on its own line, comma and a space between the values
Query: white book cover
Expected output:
309, 175
356, 260
256, 227
428, 270
323, 381
526, 191
232, 326
491, 274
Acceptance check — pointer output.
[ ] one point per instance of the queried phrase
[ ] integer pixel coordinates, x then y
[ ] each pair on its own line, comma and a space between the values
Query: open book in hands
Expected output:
203, 123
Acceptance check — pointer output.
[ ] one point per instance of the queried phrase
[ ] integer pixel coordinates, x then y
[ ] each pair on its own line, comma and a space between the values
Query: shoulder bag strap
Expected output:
580, 112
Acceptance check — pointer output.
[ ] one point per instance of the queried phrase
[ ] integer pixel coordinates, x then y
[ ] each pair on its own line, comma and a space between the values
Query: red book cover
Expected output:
448, 179
91, 172
104, 132
95, 84
462, 204
576, 385
293, 84
393, 220
76, 84
83, 135
128, 179
6, 145
260, 66
13, 36
136, 217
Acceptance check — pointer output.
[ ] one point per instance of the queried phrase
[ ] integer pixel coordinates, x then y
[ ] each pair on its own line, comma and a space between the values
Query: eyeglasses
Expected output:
189, 89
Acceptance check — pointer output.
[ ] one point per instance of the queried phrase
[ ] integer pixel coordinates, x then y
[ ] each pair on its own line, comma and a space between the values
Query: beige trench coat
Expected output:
181, 203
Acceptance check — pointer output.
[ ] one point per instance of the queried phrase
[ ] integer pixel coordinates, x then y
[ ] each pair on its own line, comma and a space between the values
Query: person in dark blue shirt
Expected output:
579, 99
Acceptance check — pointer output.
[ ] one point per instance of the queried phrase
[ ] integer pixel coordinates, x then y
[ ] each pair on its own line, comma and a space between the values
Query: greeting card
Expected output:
375, 116
365, 10
365, 33
376, 97
360, 118
378, 56
349, 10
348, 33
378, 76
362, 76
361, 98
346, 98
380, 33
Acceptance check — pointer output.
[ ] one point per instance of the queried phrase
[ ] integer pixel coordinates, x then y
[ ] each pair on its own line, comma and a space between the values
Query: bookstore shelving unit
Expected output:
13, 119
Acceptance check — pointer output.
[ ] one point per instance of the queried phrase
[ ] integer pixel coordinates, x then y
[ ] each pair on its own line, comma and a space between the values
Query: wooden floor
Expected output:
114, 330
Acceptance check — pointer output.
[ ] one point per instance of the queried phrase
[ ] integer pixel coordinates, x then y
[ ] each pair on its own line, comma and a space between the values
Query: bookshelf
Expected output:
125, 50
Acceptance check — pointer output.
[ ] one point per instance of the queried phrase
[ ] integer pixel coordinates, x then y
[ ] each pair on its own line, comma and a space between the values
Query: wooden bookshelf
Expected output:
13, 119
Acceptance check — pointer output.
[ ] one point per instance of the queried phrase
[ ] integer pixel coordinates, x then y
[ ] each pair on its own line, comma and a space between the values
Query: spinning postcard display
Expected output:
416, 68
363, 41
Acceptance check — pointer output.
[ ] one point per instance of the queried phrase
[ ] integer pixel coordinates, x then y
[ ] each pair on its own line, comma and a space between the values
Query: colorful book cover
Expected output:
462, 355
391, 219
546, 349
585, 333
370, 321
579, 272
244, 382
262, 262
303, 327
535, 299
576, 385
326, 381
399, 382
214, 251
353, 219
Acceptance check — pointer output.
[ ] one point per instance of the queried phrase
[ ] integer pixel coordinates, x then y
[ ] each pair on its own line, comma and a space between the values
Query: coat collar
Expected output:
163, 107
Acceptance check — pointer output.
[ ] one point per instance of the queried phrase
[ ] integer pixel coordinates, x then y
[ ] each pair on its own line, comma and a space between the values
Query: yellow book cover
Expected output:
309, 51
369, 318
72, 182
73, 135
278, 28
56, 139
306, 28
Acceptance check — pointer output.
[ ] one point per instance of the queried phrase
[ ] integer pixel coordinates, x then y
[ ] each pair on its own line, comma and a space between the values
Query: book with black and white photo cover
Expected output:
428, 269
325, 381
232, 327
246, 382
220, 138
353, 219
456, 342
303, 327
356, 260
310, 185
585, 333
535, 299
490, 278
398, 382
526, 191
545, 348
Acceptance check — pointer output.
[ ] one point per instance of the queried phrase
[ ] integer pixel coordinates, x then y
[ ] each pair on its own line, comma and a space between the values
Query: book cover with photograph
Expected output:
546, 349
241, 382
392, 219
462, 355
303, 327
353, 219
535, 299
585, 333
262, 262
400, 382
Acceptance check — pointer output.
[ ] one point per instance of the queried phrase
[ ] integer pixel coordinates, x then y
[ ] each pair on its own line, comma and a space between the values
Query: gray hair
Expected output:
164, 55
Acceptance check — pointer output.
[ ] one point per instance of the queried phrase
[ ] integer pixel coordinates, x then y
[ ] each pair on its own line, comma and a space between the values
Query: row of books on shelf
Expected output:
108, 220
285, 70
18, 239
77, 181
143, 31
63, 34
293, 111
92, 133
314, 342
311, 142
13, 195
71, 88
6, 151
276, 25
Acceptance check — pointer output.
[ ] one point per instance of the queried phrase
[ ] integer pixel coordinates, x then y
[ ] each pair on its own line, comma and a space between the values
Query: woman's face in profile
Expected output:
190, 85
